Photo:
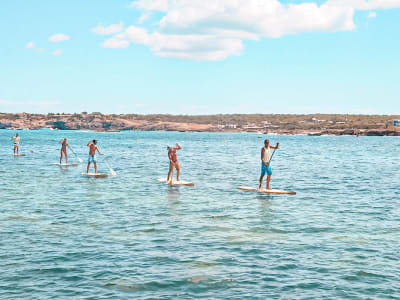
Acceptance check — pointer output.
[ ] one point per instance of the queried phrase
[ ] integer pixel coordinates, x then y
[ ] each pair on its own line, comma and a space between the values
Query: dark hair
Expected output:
266, 140
94, 141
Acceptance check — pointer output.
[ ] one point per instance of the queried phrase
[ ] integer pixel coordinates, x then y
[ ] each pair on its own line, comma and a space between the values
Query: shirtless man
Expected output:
265, 162
16, 139
64, 145
92, 155
173, 162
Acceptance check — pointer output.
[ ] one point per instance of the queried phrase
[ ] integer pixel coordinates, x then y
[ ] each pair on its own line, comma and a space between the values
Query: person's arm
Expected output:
98, 150
178, 147
276, 147
170, 156
60, 142
88, 145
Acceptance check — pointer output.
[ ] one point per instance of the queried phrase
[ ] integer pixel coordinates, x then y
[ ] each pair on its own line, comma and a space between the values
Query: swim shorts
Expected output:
264, 169
92, 158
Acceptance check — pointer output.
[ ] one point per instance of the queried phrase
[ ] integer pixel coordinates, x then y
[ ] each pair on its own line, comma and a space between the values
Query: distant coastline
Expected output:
286, 124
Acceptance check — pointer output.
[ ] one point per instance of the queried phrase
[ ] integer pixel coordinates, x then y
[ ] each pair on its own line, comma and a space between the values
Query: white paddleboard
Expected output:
174, 182
271, 191
95, 175
20, 154
66, 165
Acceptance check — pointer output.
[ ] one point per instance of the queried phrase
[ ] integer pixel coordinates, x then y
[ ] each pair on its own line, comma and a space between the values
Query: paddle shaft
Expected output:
111, 170
79, 159
273, 152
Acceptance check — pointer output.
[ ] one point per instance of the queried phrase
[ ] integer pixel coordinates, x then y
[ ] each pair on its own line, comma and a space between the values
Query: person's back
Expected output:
17, 140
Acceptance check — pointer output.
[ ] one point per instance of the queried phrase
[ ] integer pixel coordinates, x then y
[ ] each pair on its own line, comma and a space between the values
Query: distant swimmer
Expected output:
92, 155
17, 140
173, 162
64, 145
265, 162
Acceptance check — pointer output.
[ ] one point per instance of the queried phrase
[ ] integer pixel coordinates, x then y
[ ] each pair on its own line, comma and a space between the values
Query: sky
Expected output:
200, 56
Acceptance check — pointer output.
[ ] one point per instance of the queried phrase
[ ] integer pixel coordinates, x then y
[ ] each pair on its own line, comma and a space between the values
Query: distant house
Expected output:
317, 120
396, 123
220, 126
231, 126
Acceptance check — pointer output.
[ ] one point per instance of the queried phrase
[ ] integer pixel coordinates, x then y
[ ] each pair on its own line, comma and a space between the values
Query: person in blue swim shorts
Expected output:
92, 155
265, 163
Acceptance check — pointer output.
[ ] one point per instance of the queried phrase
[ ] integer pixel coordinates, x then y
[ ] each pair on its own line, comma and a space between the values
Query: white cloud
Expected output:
59, 37
144, 17
116, 43
107, 30
365, 5
30, 45
215, 30
372, 15
57, 52
154, 5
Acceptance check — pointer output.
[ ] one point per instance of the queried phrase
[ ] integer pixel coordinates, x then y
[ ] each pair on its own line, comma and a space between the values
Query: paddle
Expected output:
273, 152
113, 173
77, 157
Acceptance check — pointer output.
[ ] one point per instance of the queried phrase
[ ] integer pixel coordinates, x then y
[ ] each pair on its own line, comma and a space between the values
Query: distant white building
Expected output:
230, 126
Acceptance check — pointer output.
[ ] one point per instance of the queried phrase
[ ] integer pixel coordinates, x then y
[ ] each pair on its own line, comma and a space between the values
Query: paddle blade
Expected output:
80, 160
113, 173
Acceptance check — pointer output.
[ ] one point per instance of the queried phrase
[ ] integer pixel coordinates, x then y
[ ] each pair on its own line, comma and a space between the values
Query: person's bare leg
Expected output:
268, 180
95, 167
87, 169
15, 149
261, 179
66, 157
178, 170
170, 172
61, 155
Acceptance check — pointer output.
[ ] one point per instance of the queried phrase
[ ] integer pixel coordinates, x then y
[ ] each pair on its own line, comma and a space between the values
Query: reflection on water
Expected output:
174, 193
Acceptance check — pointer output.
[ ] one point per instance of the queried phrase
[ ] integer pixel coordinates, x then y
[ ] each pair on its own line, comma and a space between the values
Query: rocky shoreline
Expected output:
312, 125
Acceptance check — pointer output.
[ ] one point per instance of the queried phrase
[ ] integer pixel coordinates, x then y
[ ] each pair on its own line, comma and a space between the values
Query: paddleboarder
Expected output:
64, 145
173, 162
265, 162
92, 155
17, 140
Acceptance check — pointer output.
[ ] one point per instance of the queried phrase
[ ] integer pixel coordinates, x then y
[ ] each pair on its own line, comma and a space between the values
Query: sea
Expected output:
66, 236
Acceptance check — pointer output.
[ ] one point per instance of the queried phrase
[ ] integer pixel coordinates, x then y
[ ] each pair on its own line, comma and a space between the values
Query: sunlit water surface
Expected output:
64, 236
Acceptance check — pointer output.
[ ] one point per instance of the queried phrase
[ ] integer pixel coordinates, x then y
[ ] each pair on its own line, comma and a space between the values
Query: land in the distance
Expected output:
311, 124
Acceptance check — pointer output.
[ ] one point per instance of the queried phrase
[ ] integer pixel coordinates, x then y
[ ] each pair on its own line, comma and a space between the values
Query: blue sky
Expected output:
200, 57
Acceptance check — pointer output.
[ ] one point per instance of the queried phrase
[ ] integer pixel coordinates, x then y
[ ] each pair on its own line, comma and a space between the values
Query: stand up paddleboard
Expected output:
66, 165
95, 175
20, 154
174, 182
271, 191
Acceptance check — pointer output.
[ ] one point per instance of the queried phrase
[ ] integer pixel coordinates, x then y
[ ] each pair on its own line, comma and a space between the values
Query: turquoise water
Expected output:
64, 236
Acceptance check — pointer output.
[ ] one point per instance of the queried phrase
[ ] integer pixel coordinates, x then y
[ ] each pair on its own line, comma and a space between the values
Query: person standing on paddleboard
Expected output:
64, 145
92, 155
265, 162
173, 162
16, 139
